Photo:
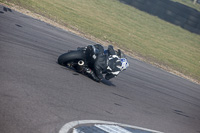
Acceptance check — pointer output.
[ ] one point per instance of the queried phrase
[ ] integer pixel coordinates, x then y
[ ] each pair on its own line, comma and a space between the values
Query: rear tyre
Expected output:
70, 56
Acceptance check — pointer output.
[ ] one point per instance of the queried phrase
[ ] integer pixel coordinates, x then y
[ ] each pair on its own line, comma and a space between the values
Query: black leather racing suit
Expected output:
102, 63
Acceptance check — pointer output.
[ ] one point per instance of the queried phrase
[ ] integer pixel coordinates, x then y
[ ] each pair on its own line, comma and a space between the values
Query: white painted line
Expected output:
112, 129
68, 126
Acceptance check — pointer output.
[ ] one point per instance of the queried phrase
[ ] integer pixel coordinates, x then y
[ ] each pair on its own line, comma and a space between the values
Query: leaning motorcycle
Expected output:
81, 58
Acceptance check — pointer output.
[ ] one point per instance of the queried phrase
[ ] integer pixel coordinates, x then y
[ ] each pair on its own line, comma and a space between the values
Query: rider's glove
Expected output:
88, 70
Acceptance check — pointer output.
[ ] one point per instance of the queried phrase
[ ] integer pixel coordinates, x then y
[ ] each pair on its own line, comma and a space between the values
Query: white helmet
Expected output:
125, 64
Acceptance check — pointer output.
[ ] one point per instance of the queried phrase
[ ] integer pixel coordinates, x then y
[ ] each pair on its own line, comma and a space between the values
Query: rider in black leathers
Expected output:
103, 62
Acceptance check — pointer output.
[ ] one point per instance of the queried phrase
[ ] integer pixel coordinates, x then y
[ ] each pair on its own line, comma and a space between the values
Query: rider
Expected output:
104, 62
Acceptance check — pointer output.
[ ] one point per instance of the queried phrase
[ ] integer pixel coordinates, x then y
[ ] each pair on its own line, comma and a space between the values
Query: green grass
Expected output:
126, 27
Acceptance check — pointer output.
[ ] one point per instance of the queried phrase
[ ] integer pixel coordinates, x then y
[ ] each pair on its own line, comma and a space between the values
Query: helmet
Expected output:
125, 64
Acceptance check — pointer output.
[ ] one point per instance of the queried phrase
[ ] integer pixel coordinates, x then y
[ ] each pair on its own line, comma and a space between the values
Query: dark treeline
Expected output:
173, 12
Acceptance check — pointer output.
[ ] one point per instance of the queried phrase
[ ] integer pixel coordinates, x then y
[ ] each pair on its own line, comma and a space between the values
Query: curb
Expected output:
69, 126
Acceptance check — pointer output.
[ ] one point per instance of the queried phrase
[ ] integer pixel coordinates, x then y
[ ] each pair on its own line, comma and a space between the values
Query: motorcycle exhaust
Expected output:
80, 66
81, 63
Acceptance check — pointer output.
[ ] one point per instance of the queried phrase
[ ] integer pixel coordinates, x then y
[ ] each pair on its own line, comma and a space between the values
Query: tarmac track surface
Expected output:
39, 96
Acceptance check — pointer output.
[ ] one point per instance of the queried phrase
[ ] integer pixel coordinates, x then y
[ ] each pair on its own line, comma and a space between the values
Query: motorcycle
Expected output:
82, 58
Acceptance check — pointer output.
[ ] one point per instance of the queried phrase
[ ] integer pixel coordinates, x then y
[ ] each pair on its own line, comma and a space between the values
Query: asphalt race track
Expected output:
39, 96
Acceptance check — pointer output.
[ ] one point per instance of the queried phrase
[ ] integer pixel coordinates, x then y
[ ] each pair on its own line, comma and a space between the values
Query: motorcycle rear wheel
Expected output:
71, 56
